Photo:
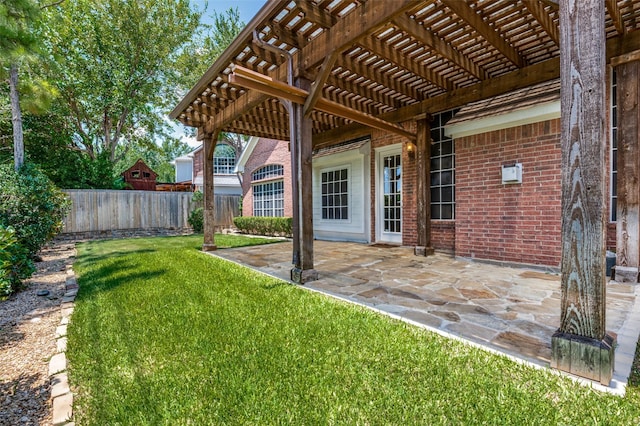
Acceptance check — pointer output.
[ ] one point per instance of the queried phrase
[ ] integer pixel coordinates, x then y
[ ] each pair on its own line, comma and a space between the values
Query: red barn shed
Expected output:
140, 177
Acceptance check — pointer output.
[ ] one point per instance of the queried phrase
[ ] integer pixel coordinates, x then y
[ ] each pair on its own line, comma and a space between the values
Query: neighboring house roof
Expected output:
219, 180
533, 104
246, 154
343, 147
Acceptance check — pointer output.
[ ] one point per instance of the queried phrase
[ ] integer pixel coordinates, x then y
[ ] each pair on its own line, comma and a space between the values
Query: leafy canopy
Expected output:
114, 64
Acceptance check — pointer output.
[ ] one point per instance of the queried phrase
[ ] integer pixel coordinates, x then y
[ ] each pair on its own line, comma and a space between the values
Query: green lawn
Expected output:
164, 334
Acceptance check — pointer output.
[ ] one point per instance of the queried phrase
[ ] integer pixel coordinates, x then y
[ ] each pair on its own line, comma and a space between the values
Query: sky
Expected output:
247, 8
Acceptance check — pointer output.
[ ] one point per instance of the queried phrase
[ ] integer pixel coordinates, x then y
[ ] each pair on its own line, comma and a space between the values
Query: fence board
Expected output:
94, 210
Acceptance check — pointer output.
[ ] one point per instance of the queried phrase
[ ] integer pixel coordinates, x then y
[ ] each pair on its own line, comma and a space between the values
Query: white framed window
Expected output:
268, 199
443, 167
267, 172
614, 148
224, 160
335, 193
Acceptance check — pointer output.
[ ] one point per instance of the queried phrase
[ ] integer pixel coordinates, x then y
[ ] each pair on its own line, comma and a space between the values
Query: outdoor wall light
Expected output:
411, 149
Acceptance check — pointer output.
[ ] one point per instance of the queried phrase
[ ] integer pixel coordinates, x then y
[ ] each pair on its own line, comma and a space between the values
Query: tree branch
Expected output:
55, 3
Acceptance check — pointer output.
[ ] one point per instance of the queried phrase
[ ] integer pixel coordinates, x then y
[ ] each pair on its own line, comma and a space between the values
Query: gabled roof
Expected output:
383, 62
246, 154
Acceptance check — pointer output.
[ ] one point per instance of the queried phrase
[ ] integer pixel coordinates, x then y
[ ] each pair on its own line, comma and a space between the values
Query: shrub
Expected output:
273, 226
198, 197
15, 263
32, 205
196, 220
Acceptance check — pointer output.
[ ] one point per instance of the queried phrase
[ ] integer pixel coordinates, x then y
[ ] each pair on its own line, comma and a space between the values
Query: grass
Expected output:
164, 334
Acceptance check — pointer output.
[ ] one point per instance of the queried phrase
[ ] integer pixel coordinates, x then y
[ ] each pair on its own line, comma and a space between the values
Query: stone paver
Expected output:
62, 410
57, 363
511, 310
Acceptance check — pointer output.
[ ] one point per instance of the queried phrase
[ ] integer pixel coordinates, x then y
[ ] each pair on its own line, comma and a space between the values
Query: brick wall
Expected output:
267, 151
198, 163
517, 222
443, 235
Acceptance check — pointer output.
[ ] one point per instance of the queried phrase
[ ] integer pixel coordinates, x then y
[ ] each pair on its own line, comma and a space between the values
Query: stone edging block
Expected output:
61, 396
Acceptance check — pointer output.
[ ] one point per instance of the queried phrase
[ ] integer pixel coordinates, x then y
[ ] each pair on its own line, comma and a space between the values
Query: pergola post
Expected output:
628, 189
301, 157
581, 345
210, 141
423, 177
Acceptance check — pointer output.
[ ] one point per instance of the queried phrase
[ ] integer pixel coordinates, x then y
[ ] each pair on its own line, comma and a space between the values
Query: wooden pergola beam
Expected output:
381, 96
318, 84
441, 47
237, 46
278, 89
383, 49
466, 13
315, 14
518, 79
616, 16
363, 21
536, 8
380, 77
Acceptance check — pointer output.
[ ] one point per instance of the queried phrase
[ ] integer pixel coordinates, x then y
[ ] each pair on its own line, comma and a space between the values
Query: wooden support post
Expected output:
210, 140
302, 150
628, 188
581, 345
423, 171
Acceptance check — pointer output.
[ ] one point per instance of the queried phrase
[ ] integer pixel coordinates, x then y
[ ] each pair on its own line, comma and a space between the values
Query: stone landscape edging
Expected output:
61, 395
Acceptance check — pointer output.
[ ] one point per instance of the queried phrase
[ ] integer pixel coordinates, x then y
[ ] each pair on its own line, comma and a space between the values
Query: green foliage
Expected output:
16, 37
31, 204
47, 144
198, 197
208, 42
274, 226
196, 220
15, 262
114, 64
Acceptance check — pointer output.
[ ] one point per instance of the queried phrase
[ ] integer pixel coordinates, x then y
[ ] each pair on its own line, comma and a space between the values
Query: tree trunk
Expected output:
16, 118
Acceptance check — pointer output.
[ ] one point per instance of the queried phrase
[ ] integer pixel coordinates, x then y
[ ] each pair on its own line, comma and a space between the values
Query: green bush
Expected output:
32, 205
196, 220
273, 226
15, 263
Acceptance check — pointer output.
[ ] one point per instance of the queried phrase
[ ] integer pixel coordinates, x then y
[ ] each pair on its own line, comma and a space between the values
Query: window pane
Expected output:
442, 168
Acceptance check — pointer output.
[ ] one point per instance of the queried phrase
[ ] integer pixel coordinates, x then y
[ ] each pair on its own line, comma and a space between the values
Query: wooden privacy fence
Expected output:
95, 210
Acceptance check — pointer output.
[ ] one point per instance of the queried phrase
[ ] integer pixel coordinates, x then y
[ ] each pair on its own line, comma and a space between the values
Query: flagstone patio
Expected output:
512, 310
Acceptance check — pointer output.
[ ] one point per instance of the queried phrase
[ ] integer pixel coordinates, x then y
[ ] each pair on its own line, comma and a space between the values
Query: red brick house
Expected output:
435, 124
474, 212
265, 167
140, 177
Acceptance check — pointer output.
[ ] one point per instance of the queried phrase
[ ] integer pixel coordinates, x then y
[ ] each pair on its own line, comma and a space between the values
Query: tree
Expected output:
16, 40
114, 64
206, 45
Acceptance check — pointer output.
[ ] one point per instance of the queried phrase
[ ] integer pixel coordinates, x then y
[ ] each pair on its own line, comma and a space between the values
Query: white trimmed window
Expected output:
335, 194
268, 194
268, 199
442, 169
224, 160
267, 172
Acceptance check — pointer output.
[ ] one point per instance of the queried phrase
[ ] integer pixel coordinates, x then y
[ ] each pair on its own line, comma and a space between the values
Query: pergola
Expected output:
321, 72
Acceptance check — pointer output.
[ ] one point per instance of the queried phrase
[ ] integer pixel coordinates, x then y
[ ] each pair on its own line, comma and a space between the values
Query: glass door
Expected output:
390, 198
